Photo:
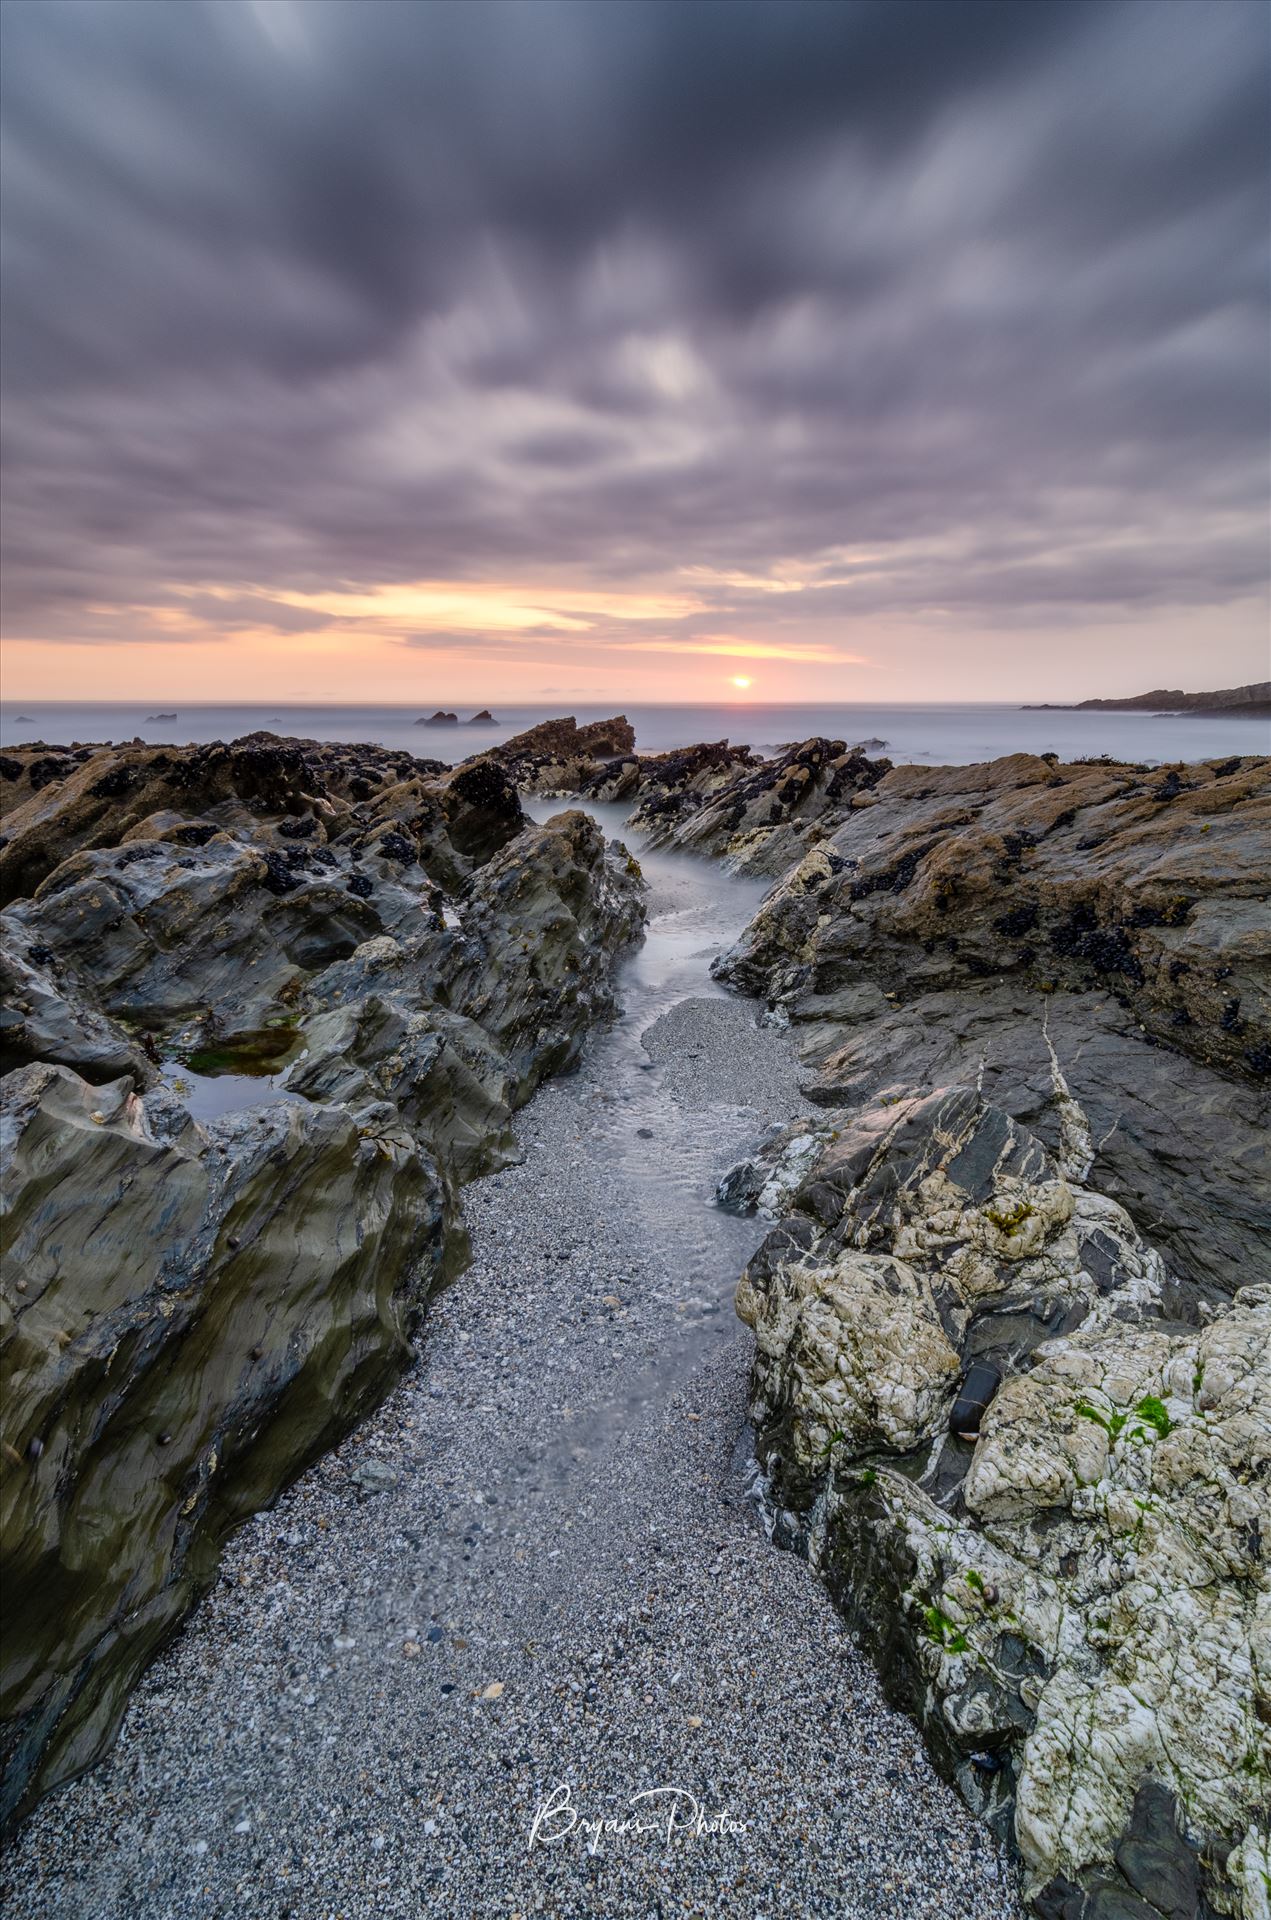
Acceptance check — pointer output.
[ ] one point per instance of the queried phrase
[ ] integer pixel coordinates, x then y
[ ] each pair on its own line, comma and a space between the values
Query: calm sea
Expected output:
936, 735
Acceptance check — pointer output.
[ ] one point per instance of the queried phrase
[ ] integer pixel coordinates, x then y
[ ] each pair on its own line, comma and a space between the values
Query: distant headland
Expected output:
1247, 702
443, 719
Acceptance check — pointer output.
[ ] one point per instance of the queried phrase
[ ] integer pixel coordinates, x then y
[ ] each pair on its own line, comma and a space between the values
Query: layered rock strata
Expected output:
558, 756
1013, 1329
1036, 1474
759, 815
193, 1308
924, 937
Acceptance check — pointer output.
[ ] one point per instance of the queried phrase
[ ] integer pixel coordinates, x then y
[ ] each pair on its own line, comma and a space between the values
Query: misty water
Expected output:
666, 1099
695, 908
935, 735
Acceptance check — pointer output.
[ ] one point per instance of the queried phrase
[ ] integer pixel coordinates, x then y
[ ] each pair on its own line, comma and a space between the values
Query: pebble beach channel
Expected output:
539, 1570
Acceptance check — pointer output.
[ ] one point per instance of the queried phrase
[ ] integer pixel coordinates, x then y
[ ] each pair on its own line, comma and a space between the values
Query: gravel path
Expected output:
537, 1567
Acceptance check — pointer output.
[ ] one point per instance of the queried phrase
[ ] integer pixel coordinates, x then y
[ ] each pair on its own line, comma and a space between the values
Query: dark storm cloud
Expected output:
300, 296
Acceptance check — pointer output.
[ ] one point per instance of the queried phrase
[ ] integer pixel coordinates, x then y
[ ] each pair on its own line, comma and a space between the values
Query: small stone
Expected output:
977, 1390
373, 1476
493, 1691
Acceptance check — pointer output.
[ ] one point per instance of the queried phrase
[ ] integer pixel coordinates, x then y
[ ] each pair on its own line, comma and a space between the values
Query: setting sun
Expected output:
740, 680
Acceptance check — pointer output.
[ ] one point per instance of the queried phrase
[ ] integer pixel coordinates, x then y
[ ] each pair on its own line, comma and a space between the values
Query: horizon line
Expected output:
670, 706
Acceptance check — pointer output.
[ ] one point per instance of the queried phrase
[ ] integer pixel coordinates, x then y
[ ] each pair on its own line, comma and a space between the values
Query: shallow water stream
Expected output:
663, 1121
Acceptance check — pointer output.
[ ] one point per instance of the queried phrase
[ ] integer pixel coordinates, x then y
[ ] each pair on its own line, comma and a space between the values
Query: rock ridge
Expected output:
196, 1303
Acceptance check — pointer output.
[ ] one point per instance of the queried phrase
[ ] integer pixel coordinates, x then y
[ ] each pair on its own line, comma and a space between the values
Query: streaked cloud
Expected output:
865, 332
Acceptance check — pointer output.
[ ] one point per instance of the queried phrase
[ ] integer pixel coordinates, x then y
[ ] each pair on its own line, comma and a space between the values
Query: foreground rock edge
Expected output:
1073, 1597
862, 835
192, 1311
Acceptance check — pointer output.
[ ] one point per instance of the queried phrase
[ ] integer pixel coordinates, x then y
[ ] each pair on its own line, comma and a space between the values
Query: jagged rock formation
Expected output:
56, 800
190, 1314
1011, 1378
557, 755
43, 1018
674, 783
1075, 1598
921, 941
1152, 883
1183, 1148
932, 915
759, 815
191, 1310
529, 957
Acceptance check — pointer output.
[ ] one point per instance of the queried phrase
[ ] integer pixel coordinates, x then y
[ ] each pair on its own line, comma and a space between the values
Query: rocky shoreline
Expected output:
1010, 1383
538, 1561
195, 1308
1012, 1386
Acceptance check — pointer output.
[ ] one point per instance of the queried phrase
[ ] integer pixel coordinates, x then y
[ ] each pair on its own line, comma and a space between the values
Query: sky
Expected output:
434, 352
